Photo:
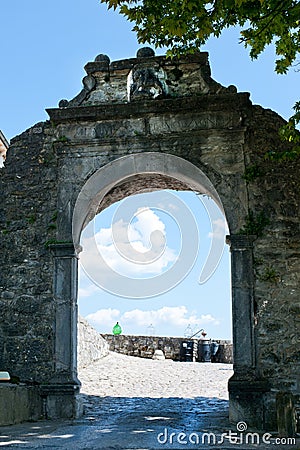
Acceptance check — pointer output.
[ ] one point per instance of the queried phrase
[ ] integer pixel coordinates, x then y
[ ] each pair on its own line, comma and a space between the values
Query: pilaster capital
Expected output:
240, 242
63, 250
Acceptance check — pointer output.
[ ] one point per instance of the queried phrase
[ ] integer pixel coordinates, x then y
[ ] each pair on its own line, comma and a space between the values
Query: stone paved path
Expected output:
138, 404
127, 376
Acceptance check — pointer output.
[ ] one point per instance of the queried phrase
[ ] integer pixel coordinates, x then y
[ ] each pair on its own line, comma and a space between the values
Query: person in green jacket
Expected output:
117, 329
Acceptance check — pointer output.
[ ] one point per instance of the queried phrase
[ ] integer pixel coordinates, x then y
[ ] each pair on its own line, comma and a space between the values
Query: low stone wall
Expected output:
19, 403
91, 345
144, 346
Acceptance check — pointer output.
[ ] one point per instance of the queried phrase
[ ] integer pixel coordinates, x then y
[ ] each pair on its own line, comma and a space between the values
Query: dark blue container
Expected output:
204, 350
186, 351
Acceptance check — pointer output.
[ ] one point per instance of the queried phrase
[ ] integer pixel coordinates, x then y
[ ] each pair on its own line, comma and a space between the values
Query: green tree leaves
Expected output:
186, 24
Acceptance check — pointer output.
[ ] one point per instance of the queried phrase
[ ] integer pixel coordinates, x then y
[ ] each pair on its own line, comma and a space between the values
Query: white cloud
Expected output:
176, 318
146, 222
133, 250
87, 291
220, 228
168, 206
103, 317
104, 236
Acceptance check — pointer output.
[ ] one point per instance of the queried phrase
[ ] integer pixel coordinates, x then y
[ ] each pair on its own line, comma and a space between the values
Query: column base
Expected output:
252, 402
61, 401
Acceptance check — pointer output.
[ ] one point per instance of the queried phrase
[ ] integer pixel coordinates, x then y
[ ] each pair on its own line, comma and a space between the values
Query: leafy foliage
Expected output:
252, 172
255, 224
269, 274
289, 133
185, 25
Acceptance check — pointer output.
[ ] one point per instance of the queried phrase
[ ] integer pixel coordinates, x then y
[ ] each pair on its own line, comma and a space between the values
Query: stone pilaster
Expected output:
60, 395
242, 304
246, 391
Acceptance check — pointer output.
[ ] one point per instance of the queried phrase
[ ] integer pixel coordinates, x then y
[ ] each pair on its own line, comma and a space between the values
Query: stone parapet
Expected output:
145, 346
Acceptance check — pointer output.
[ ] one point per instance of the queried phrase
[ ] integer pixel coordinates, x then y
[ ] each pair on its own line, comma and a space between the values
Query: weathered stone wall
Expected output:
152, 106
276, 253
274, 190
145, 346
28, 187
91, 345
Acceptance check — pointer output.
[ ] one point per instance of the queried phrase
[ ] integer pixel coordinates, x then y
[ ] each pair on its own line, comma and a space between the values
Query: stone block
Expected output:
19, 403
61, 401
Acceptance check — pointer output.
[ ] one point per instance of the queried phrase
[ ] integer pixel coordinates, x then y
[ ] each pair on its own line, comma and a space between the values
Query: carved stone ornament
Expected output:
145, 83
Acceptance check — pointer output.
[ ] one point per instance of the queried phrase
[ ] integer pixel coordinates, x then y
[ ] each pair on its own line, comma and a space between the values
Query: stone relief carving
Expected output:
146, 82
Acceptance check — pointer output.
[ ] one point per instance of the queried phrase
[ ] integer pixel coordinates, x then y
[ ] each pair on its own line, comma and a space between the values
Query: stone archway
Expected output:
110, 183
118, 128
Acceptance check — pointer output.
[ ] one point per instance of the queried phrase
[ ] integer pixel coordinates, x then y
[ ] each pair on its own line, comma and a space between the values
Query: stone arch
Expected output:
211, 127
120, 171
185, 175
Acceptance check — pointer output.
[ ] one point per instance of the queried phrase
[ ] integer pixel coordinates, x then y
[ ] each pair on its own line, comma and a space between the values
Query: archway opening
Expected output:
197, 298
168, 309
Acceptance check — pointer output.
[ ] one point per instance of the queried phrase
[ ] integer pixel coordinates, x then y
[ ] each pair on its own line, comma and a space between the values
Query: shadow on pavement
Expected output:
124, 423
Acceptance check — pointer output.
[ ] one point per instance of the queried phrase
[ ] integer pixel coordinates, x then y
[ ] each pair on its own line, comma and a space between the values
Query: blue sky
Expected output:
190, 303
44, 47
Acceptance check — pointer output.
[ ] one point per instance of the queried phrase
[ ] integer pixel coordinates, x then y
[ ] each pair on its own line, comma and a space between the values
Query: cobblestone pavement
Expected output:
182, 412
140, 423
